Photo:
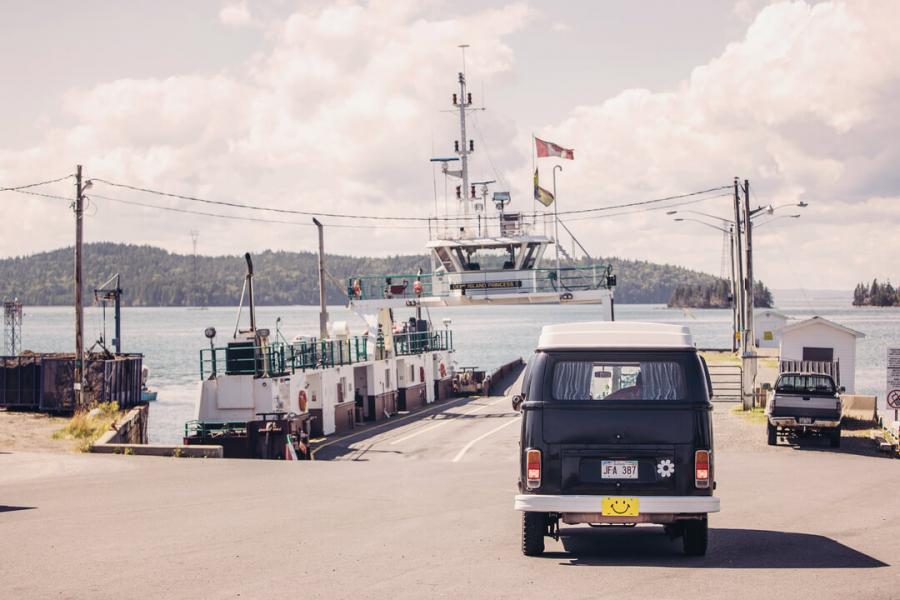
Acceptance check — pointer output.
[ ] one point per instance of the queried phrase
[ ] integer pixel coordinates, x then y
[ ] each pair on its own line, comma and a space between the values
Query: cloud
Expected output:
804, 106
236, 14
341, 111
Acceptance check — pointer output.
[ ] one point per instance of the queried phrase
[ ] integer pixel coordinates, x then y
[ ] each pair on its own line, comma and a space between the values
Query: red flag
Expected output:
545, 149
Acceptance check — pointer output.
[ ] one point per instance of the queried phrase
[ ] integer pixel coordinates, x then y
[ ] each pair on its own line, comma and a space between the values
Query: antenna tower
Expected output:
12, 327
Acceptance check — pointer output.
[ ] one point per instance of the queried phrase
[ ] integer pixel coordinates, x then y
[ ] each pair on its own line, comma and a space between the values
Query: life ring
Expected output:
442, 370
417, 287
357, 288
301, 401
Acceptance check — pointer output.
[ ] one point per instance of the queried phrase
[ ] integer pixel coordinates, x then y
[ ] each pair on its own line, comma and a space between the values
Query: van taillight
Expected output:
533, 469
701, 468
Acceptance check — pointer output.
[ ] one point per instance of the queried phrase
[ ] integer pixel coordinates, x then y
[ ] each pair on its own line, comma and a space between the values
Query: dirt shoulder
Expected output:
32, 432
736, 430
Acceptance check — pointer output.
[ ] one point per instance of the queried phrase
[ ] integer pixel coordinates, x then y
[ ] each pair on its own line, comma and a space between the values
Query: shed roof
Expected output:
614, 334
822, 321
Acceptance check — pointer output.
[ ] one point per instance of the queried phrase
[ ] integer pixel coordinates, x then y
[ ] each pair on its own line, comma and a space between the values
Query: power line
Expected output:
391, 218
31, 185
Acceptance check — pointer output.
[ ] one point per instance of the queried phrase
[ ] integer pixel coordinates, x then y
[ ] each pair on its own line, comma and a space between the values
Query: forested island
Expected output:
715, 295
155, 277
876, 294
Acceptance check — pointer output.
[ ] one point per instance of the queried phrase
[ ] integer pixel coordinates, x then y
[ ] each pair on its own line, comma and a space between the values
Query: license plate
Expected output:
618, 506
806, 420
619, 469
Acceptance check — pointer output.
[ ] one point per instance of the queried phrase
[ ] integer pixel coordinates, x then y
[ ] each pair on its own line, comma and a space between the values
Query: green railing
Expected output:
310, 354
492, 282
416, 342
240, 359
196, 428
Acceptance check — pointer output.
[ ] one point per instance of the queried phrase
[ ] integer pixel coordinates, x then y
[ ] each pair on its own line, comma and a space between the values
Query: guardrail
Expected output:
416, 342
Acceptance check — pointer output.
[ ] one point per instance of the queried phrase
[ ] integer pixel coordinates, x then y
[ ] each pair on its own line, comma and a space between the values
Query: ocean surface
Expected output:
171, 338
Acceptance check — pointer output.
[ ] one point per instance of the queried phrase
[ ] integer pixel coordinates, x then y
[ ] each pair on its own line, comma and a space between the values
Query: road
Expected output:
422, 508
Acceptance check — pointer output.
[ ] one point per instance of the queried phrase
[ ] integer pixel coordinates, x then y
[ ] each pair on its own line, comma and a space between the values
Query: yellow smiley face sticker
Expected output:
619, 506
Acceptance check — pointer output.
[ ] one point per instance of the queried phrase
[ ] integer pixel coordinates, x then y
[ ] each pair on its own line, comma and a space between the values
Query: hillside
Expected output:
155, 277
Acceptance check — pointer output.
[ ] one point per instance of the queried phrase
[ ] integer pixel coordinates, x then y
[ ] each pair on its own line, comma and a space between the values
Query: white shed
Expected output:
767, 327
821, 340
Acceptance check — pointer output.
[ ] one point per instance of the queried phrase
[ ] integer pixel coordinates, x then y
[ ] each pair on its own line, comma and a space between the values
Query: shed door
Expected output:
818, 354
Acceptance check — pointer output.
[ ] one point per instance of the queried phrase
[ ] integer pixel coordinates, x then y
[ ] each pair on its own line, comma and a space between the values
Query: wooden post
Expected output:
751, 340
323, 310
79, 301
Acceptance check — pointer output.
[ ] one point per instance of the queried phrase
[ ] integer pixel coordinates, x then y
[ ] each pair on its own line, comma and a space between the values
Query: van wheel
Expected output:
834, 437
534, 526
696, 537
772, 432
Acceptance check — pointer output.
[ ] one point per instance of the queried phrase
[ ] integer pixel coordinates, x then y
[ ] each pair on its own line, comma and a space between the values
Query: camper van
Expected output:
616, 430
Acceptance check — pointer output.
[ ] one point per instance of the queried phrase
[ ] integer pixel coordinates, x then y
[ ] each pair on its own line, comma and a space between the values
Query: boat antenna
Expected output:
464, 146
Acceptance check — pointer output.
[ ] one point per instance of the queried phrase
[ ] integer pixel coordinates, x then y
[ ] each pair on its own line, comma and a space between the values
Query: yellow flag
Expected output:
540, 194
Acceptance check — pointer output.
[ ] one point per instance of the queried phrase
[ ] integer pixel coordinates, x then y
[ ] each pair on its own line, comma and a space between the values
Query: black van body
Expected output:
585, 445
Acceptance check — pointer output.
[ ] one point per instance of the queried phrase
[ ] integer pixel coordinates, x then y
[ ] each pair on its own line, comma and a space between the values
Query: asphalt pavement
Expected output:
422, 508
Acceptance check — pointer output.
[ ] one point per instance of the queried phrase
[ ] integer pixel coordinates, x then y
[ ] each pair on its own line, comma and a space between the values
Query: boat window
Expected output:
805, 384
445, 259
607, 380
495, 258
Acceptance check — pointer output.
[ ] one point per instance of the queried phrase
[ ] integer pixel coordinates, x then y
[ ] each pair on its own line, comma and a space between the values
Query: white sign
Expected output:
893, 377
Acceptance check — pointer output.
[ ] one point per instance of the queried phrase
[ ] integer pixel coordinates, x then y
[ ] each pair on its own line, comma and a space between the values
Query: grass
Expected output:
754, 415
86, 427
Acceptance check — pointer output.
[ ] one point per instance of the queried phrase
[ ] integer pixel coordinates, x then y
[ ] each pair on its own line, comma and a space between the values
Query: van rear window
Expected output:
615, 380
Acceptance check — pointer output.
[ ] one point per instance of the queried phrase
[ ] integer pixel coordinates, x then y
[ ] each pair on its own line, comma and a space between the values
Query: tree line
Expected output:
876, 294
716, 295
152, 276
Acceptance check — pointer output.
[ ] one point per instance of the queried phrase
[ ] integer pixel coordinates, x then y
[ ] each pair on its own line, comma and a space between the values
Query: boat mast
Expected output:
465, 148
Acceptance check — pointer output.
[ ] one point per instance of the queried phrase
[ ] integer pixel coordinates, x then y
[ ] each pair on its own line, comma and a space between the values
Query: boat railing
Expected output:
509, 224
197, 428
244, 359
417, 342
405, 286
544, 280
314, 353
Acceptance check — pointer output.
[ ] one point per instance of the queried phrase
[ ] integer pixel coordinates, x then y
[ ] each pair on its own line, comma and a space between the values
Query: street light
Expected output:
734, 310
758, 225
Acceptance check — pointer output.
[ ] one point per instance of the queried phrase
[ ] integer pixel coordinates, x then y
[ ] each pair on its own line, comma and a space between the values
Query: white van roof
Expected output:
614, 334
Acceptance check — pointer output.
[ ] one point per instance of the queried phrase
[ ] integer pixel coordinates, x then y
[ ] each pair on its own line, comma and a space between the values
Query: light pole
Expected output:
734, 308
556, 224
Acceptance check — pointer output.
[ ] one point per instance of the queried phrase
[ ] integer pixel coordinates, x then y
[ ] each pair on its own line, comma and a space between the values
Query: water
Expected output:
484, 336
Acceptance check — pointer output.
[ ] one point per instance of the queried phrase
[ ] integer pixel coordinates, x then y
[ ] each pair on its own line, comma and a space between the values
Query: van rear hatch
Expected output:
625, 423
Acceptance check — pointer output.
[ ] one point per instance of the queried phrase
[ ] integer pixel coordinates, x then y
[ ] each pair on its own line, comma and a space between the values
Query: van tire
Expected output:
772, 432
834, 437
534, 527
696, 537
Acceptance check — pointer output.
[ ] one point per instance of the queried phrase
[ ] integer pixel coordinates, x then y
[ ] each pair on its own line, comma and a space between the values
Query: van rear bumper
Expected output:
591, 504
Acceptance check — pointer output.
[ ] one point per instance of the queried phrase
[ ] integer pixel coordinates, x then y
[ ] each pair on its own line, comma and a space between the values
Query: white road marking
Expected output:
436, 425
466, 448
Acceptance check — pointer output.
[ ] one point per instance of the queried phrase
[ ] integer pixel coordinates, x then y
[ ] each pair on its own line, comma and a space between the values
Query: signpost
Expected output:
893, 381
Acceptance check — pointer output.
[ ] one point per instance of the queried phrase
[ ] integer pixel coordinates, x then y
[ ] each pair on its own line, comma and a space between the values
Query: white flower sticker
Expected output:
665, 468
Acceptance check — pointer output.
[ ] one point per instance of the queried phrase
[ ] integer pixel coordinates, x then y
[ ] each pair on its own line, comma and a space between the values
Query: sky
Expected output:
338, 106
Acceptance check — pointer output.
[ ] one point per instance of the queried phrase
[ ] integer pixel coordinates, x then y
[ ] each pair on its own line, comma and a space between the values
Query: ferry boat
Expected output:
267, 398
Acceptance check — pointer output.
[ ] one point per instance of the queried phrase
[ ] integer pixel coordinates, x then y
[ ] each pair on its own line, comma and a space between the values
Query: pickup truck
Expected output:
804, 404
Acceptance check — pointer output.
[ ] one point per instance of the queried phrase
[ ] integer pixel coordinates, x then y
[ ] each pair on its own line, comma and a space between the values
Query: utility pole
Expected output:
749, 232
740, 296
323, 311
734, 292
79, 301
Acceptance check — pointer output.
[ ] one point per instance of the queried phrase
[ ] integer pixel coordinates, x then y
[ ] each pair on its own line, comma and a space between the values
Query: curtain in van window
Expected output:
572, 380
662, 381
